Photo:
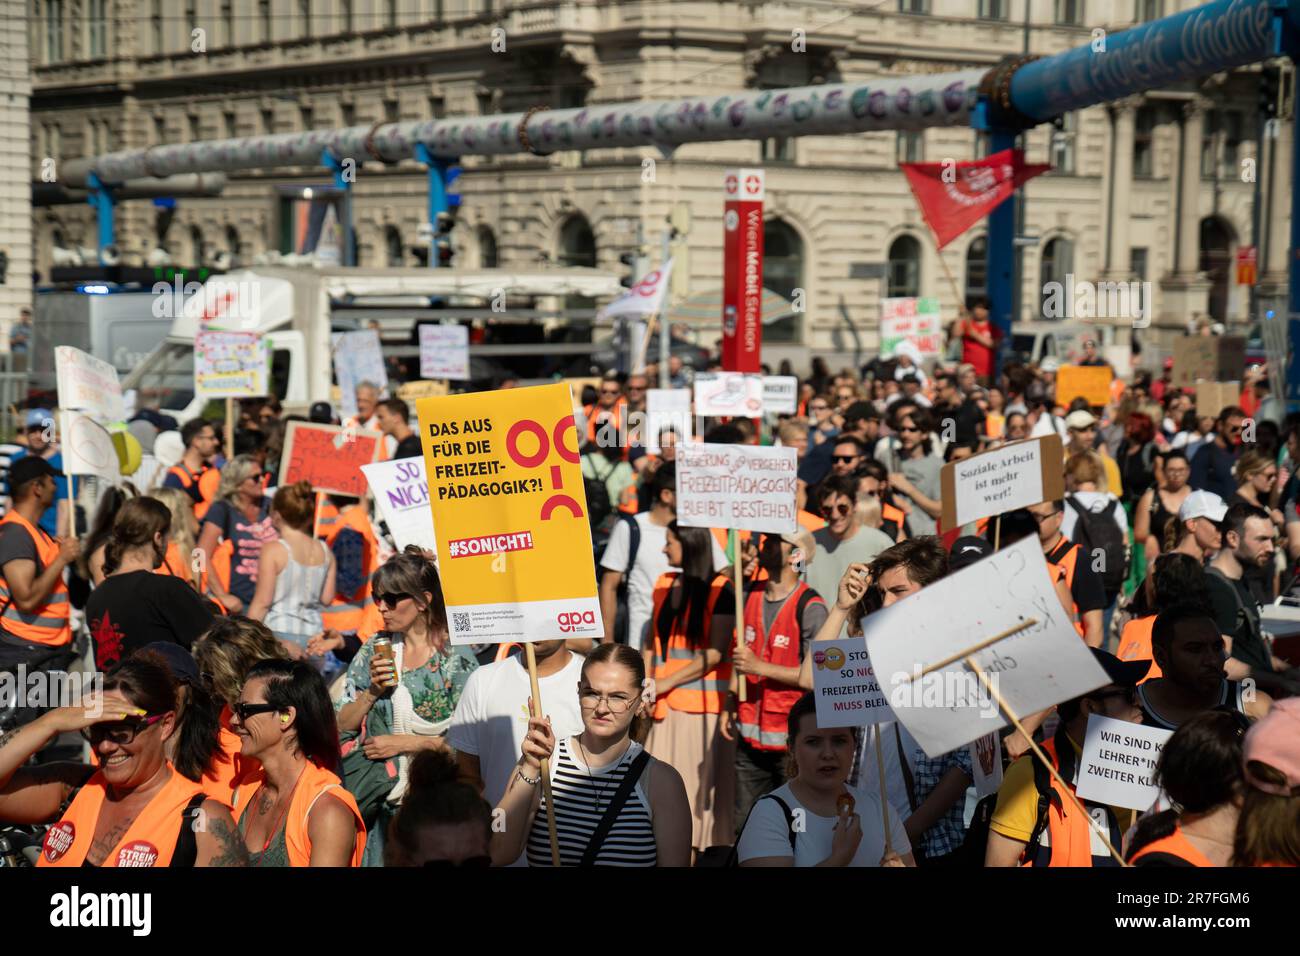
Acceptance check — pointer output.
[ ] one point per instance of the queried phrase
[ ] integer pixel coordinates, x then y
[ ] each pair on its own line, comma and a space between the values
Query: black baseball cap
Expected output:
321, 414
178, 660
27, 469
1123, 673
966, 551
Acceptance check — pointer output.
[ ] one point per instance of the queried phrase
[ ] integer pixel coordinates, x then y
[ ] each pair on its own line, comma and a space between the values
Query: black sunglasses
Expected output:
120, 732
829, 510
252, 710
844, 458
391, 599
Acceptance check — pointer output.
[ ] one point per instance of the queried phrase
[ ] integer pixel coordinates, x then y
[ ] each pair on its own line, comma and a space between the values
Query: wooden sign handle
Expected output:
535, 687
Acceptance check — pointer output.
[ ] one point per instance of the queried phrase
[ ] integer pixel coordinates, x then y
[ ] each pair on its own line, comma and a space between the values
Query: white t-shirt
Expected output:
1094, 501
767, 833
491, 717
895, 782
649, 565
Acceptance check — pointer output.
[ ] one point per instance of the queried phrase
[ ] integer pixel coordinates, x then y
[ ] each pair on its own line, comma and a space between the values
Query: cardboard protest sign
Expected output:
845, 685
444, 352
664, 408
1033, 669
1119, 762
1214, 397
1208, 358
230, 365
737, 486
88, 384
328, 456
986, 762
730, 394
780, 394
1089, 382
506, 492
358, 357
402, 493
909, 319
412, 392
994, 482
88, 448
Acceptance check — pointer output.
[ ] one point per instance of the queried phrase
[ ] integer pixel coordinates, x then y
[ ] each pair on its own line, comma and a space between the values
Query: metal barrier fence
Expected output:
13, 392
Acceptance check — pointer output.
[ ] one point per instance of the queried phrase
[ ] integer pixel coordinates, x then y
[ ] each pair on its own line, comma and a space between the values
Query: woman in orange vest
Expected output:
183, 540
136, 809
1199, 771
693, 623
292, 810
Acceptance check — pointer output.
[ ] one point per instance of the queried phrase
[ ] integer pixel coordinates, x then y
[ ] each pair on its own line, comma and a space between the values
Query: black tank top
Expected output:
1160, 517
1230, 698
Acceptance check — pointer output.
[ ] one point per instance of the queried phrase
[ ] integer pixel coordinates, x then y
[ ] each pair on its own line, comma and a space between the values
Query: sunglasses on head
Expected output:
120, 732
829, 510
246, 711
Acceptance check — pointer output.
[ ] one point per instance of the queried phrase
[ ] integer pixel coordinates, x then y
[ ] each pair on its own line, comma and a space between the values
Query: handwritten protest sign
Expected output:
1119, 762
402, 493
1208, 358
845, 685
667, 407
1034, 669
732, 394
914, 320
1214, 397
88, 384
328, 456
506, 492
994, 482
229, 364
444, 352
780, 394
412, 392
88, 448
737, 486
358, 357
1089, 382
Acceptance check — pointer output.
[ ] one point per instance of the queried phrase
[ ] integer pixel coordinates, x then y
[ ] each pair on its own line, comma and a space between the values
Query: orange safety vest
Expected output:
208, 480
372, 622
314, 782
220, 564
892, 513
1068, 837
228, 764
1175, 844
503, 651
764, 714
705, 694
50, 624
149, 841
174, 563
1135, 644
348, 610
1067, 564
326, 518
809, 521
611, 418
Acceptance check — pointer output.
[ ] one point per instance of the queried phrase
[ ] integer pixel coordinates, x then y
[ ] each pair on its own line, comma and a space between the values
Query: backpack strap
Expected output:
616, 804
633, 541
187, 846
789, 825
1109, 510
1042, 784
1074, 503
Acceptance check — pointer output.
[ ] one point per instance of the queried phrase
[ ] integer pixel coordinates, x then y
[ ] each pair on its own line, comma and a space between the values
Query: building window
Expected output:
577, 243
1222, 143
1137, 263
487, 248
97, 28
437, 107
777, 149
304, 17
993, 9
393, 247
1069, 13
196, 131
230, 125
1063, 144
159, 130
913, 6
904, 267
910, 146
228, 22
156, 25
345, 15
977, 268
196, 246
233, 246
53, 31
392, 111
1144, 134
191, 16
306, 118
347, 114
1148, 10
783, 259
268, 122
264, 17
1058, 262
390, 14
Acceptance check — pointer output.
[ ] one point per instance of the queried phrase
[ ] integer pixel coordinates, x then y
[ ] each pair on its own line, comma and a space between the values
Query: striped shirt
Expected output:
582, 795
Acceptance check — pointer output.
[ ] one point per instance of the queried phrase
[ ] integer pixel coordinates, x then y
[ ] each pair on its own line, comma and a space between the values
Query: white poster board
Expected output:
737, 486
230, 365
666, 407
401, 491
88, 384
88, 448
780, 394
728, 394
909, 319
986, 764
845, 685
444, 352
1034, 669
358, 357
1119, 762
1004, 479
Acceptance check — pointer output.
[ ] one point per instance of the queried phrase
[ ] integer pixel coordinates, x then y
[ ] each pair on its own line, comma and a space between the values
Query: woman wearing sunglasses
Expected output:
291, 808
135, 809
821, 420
394, 707
615, 805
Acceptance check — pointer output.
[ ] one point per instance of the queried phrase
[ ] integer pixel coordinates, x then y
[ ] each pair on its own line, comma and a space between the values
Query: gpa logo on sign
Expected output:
571, 621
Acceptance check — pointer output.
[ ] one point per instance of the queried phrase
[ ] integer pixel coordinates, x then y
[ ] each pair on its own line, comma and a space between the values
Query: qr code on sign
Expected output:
460, 622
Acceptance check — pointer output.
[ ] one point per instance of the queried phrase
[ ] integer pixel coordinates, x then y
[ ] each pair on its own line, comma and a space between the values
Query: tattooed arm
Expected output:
219, 842
36, 794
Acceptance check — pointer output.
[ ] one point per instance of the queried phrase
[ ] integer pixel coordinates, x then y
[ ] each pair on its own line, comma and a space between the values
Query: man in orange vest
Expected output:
1034, 822
1086, 588
780, 622
35, 615
356, 556
188, 474
605, 415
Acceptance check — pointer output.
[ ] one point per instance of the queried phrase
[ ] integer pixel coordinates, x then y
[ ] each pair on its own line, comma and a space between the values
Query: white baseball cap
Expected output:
1080, 419
1202, 504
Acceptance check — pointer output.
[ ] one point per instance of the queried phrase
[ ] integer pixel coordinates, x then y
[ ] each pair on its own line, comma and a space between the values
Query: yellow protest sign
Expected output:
1089, 382
510, 515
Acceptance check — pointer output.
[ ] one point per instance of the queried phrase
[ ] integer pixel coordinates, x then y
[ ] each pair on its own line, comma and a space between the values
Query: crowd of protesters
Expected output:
271, 660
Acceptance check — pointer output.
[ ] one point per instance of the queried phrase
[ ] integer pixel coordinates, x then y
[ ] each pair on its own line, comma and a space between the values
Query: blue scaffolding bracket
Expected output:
100, 199
344, 176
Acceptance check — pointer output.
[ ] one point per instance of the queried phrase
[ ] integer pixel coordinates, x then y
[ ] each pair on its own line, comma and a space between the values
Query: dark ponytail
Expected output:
299, 685
200, 732
136, 524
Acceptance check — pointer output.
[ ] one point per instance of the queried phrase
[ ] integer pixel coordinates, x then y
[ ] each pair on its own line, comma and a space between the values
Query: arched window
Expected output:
1058, 262
577, 243
196, 246
393, 250
904, 267
977, 268
232, 245
487, 248
783, 274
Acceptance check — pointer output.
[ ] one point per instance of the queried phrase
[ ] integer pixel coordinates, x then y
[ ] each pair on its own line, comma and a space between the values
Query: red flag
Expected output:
969, 191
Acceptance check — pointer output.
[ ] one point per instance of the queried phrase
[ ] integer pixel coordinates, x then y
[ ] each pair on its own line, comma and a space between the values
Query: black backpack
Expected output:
977, 834
1097, 531
599, 507
633, 543
727, 855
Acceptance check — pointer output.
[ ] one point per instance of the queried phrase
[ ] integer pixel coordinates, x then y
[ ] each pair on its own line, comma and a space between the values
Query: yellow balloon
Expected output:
129, 452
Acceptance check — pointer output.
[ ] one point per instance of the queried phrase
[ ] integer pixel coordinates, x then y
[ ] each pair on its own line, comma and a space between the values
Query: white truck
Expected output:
297, 309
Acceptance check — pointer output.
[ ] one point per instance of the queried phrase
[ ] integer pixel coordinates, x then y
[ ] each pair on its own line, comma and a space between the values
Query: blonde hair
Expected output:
869, 511
234, 473
182, 508
1250, 464
1084, 468
227, 651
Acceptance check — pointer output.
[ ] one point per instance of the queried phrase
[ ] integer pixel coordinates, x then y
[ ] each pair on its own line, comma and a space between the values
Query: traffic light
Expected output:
442, 228
629, 279
1269, 82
